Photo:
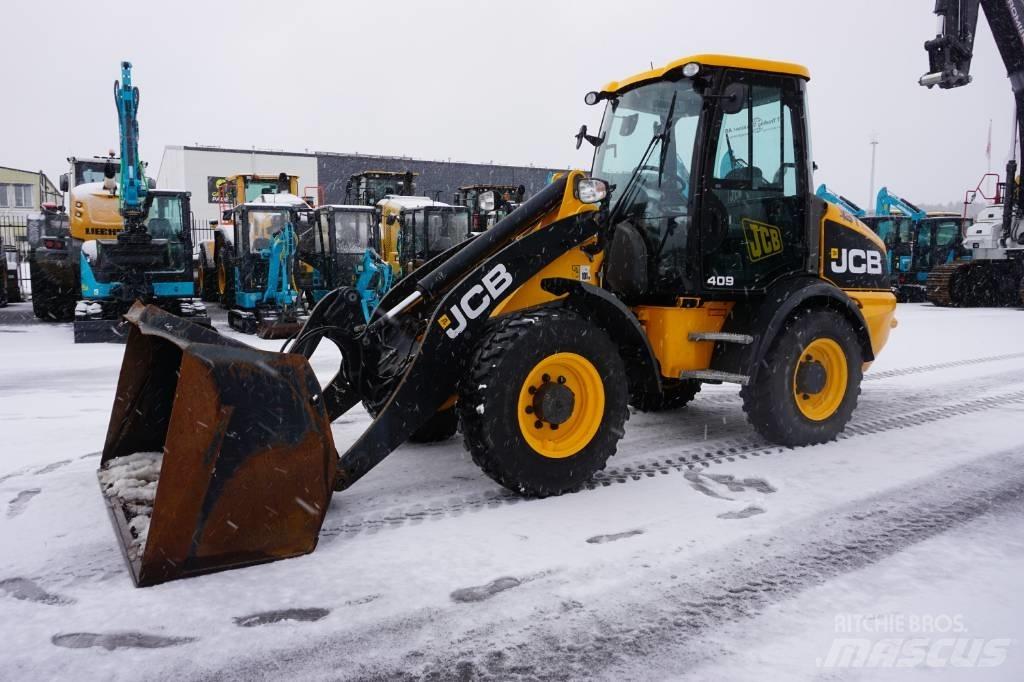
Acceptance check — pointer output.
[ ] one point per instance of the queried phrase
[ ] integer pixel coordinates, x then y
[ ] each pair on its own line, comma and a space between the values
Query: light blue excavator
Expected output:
150, 259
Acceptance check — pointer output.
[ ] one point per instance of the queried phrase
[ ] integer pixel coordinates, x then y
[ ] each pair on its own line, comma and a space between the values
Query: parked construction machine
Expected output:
916, 242
150, 257
635, 283
839, 200
413, 230
994, 274
258, 266
488, 204
340, 250
236, 189
369, 187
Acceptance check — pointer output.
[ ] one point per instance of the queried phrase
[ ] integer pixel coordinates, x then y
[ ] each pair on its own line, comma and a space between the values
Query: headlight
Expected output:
591, 190
691, 69
486, 201
592, 98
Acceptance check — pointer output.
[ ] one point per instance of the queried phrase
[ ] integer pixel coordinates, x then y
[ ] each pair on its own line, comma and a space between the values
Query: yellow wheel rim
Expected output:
817, 398
222, 278
572, 418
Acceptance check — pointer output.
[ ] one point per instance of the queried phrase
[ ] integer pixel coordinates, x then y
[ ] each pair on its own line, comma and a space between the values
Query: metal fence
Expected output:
15, 246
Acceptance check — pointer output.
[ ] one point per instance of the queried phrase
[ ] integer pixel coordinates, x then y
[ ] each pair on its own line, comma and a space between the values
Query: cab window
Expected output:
753, 212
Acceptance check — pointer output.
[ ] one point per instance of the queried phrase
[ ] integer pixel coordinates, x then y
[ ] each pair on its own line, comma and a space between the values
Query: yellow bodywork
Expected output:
719, 60
668, 330
388, 247
668, 327
94, 213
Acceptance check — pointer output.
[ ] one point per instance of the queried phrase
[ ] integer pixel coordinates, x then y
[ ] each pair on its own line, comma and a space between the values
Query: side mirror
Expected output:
734, 98
582, 135
64, 182
151, 183
391, 219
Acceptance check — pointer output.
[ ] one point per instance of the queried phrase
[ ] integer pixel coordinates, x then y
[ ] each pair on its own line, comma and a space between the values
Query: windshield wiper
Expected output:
666, 135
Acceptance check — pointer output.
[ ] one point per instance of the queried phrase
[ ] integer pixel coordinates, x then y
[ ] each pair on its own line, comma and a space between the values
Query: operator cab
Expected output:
429, 231
335, 245
710, 180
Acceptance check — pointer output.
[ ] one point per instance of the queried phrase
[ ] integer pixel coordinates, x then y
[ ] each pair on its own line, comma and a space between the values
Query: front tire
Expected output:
544, 403
807, 388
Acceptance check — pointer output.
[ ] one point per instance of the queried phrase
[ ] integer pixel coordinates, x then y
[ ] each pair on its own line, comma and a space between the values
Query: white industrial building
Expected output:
200, 169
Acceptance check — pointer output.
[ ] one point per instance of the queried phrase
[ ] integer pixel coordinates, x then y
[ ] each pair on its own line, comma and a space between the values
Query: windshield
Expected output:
262, 226
92, 171
164, 220
255, 188
352, 230
435, 231
632, 121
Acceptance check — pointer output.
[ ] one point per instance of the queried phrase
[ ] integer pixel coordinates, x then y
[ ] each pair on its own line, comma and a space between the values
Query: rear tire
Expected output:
782, 405
49, 301
550, 351
207, 278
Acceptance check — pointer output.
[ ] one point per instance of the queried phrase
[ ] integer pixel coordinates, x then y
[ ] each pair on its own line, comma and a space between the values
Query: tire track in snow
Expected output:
745, 578
688, 459
674, 620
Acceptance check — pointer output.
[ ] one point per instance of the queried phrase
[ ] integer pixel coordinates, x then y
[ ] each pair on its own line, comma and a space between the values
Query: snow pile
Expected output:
131, 482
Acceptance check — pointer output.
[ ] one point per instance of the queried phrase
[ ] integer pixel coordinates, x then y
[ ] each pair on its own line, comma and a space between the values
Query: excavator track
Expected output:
939, 287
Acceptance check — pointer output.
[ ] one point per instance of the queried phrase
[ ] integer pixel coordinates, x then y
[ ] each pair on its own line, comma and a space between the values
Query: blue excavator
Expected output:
341, 251
916, 242
839, 200
150, 258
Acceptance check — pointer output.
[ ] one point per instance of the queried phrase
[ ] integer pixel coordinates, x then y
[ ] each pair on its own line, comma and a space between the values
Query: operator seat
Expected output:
160, 228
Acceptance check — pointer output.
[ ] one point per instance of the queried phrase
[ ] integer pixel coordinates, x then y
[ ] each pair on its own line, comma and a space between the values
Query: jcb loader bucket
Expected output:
217, 456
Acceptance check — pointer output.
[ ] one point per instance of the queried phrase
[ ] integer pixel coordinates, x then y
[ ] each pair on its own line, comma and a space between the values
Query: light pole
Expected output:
874, 150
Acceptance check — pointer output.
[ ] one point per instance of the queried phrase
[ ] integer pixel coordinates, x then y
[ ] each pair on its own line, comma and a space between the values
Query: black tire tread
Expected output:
504, 333
761, 406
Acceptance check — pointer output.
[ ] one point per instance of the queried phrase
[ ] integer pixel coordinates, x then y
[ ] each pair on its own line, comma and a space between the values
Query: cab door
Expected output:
756, 188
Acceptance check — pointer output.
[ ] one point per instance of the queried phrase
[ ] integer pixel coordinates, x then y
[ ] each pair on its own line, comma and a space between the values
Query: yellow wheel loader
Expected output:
694, 252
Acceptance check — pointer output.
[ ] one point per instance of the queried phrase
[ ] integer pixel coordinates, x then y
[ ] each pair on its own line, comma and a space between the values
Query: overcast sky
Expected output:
476, 81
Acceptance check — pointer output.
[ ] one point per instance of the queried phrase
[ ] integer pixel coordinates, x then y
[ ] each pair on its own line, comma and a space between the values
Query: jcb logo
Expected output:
763, 240
475, 301
856, 261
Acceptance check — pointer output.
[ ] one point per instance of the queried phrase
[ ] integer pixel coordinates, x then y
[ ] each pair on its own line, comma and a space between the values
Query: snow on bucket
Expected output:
217, 456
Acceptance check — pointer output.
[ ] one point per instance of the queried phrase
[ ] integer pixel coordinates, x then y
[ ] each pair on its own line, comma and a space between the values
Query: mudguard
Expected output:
764, 317
611, 314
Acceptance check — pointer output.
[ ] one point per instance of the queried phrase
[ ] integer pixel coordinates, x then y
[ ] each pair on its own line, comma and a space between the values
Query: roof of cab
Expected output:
711, 60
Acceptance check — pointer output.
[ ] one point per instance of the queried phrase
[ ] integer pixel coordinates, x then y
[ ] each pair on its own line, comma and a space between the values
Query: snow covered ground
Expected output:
702, 553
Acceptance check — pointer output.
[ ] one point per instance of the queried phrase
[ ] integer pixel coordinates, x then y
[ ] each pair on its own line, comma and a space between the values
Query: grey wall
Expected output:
334, 170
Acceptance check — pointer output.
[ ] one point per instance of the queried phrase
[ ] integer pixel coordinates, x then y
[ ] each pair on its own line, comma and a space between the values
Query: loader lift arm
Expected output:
949, 60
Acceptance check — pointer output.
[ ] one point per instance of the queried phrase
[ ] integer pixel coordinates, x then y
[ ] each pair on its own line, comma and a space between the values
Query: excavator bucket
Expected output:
217, 455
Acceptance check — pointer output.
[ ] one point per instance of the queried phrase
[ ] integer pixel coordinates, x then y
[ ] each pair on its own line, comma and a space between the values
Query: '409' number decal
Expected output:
720, 281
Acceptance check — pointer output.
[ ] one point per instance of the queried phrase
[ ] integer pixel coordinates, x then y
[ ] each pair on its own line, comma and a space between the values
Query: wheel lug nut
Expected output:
806, 397
538, 424
532, 390
529, 409
546, 378
554, 427
561, 379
